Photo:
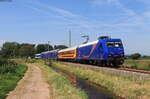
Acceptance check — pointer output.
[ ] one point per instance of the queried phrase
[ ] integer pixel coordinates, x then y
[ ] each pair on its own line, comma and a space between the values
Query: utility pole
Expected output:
69, 38
49, 60
48, 45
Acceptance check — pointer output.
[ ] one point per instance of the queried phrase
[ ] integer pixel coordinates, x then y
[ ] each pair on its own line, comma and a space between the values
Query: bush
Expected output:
7, 69
3, 61
135, 66
7, 66
135, 56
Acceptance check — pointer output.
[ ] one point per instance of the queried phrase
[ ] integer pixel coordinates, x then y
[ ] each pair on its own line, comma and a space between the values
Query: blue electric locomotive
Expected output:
105, 51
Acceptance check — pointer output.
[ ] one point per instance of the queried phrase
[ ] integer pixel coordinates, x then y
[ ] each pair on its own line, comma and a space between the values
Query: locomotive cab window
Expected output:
114, 44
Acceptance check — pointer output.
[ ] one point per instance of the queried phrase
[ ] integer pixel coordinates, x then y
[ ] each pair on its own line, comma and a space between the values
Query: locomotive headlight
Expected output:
109, 55
122, 55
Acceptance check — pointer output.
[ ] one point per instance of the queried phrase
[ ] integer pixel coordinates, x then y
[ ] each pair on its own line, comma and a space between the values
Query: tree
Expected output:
27, 50
146, 57
43, 47
60, 47
10, 49
135, 56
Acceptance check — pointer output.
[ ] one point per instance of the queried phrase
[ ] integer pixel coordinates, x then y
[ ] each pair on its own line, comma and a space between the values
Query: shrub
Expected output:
7, 66
7, 69
135, 66
3, 61
148, 66
135, 56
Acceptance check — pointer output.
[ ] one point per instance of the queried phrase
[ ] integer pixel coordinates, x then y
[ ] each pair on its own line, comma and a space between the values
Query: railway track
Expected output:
118, 71
135, 70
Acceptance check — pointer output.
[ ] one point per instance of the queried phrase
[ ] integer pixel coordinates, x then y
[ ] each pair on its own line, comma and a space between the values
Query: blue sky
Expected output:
39, 21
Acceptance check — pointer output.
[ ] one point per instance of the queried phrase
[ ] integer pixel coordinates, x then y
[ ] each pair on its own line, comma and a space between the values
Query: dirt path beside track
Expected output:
32, 86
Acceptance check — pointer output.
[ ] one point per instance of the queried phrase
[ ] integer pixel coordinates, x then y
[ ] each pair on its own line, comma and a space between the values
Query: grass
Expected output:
137, 64
60, 86
10, 74
131, 88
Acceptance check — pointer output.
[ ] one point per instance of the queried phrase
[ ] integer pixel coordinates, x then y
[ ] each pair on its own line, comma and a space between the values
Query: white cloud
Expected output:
147, 2
105, 2
98, 2
131, 19
115, 3
62, 14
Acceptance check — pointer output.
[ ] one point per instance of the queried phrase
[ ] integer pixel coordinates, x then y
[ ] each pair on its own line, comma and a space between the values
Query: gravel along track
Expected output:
117, 71
32, 86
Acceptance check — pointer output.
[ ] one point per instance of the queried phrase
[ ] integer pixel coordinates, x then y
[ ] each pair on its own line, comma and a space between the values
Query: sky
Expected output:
40, 21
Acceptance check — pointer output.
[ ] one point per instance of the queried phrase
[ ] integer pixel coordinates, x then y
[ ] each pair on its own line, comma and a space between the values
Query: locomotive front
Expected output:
115, 51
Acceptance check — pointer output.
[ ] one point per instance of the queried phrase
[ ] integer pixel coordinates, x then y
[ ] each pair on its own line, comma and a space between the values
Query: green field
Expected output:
10, 74
143, 64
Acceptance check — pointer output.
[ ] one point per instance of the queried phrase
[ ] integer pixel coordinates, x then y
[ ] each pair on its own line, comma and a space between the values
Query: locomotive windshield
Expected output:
114, 44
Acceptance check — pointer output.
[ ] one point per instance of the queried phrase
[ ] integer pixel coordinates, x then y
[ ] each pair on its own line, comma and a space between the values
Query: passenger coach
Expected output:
68, 54
53, 55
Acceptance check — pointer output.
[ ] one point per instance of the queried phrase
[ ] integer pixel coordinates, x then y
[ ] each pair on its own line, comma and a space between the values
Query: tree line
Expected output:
14, 49
137, 56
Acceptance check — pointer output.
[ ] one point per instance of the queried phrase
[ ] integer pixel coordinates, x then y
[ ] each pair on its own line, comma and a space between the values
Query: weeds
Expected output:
10, 74
60, 85
126, 87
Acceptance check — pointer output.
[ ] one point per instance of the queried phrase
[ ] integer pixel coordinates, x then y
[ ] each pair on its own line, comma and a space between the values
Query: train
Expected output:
103, 52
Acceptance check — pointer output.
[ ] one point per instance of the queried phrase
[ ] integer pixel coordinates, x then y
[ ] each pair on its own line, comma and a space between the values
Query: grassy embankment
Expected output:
130, 88
10, 74
143, 64
59, 85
